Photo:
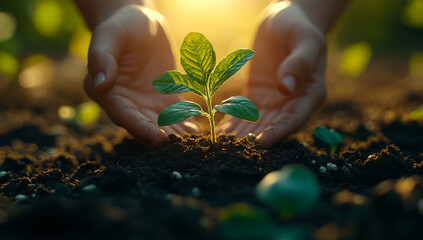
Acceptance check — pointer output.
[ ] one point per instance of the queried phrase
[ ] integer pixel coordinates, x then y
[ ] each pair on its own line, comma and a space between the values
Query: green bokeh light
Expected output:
48, 18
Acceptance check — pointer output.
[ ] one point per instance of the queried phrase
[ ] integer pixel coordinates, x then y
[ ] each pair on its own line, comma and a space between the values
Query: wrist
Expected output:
97, 11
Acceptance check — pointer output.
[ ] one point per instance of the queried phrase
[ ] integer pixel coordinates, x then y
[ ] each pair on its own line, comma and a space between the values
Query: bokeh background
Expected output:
45, 42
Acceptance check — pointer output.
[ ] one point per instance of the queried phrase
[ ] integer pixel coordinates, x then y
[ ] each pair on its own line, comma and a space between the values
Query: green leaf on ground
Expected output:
178, 112
239, 107
328, 136
198, 57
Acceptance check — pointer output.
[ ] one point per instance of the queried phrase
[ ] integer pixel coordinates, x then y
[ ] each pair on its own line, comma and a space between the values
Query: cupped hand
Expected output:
127, 52
287, 75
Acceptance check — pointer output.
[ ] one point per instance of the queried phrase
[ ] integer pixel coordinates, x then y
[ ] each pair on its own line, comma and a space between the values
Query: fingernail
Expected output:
99, 79
290, 83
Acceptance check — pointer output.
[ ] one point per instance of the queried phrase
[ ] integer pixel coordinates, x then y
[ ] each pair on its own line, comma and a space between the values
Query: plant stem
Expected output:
211, 119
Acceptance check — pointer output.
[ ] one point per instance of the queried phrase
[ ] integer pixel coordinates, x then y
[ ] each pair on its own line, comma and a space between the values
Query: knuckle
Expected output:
302, 64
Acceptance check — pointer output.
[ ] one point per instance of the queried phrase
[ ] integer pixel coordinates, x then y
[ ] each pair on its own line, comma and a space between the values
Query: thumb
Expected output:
103, 55
296, 69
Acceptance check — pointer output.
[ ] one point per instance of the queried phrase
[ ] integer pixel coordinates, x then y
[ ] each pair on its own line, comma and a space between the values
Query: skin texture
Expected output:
128, 50
290, 45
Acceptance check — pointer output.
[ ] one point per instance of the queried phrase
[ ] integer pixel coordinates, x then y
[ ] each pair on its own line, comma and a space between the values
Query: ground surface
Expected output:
65, 182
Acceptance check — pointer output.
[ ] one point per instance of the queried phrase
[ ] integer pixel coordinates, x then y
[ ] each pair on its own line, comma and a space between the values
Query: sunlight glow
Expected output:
355, 58
37, 72
9, 65
229, 25
66, 112
8, 26
48, 18
412, 14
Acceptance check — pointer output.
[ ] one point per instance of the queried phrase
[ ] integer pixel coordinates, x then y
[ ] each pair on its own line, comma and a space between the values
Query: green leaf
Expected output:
178, 112
176, 82
198, 57
239, 107
228, 67
329, 136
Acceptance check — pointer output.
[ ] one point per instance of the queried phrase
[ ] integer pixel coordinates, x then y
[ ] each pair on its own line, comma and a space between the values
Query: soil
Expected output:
59, 181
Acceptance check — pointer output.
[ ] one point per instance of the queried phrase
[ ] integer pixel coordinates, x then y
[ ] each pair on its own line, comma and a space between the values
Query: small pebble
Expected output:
3, 173
33, 195
322, 170
251, 137
89, 188
332, 167
20, 197
177, 175
195, 192
313, 162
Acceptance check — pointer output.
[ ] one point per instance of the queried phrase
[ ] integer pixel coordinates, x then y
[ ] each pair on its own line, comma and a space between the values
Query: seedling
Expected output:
291, 191
202, 78
329, 136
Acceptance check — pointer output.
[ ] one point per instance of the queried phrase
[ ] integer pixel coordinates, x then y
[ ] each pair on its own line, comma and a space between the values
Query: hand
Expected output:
287, 75
127, 52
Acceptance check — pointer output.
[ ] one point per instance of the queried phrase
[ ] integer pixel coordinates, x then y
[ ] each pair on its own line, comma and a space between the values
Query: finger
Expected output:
241, 128
154, 116
224, 124
178, 128
294, 114
191, 127
297, 67
248, 128
232, 124
125, 114
106, 45
265, 121
169, 130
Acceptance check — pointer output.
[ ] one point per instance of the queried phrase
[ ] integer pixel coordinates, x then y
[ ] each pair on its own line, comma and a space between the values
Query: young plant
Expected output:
329, 136
291, 191
202, 78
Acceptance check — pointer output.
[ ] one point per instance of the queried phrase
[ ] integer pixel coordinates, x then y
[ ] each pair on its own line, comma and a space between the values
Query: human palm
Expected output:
286, 45
132, 48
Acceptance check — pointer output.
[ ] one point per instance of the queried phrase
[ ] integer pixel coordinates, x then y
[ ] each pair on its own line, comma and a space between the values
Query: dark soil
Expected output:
96, 182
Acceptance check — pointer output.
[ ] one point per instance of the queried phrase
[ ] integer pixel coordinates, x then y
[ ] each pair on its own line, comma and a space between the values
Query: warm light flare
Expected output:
66, 112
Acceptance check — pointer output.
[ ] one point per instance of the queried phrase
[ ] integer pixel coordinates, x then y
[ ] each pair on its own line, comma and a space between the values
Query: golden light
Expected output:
355, 58
38, 72
8, 26
412, 14
9, 65
79, 43
66, 112
229, 25
48, 18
